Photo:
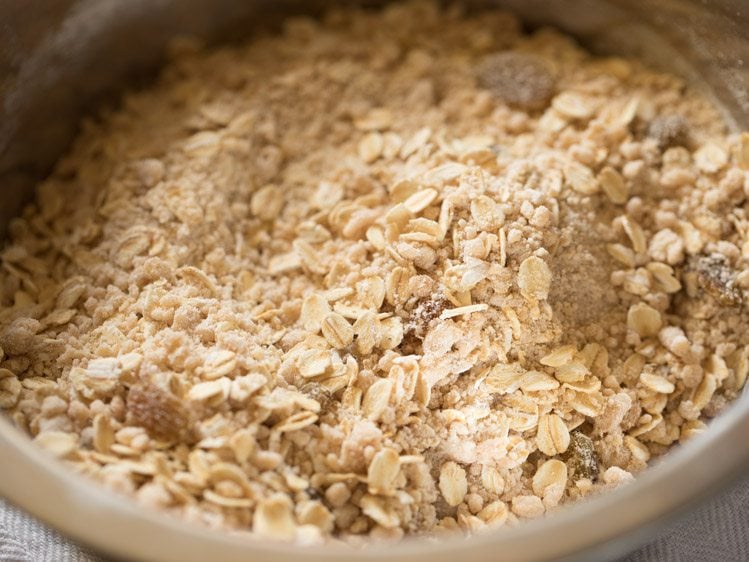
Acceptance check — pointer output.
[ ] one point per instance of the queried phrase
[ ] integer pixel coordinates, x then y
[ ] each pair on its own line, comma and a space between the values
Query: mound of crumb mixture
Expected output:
387, 273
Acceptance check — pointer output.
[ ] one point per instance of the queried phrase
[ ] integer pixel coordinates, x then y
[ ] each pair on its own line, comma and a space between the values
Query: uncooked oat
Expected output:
388, 273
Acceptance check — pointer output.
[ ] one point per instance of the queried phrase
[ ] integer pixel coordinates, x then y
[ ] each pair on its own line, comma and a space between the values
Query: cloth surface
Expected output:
718, 531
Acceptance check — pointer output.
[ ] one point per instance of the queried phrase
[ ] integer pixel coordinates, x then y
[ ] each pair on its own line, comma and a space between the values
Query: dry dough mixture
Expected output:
386, 273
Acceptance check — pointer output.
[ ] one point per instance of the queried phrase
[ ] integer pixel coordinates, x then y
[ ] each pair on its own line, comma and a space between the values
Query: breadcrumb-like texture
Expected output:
345, 283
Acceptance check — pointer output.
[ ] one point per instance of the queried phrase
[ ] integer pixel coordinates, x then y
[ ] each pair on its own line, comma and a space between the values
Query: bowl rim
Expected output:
94, 516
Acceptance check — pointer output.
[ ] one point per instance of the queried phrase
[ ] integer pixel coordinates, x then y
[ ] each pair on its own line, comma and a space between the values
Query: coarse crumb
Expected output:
389, 273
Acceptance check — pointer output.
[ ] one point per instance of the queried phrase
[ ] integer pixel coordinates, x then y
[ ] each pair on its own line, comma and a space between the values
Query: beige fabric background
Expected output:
717, 532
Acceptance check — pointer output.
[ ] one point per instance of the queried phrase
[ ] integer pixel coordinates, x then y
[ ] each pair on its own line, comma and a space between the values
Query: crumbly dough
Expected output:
386, 273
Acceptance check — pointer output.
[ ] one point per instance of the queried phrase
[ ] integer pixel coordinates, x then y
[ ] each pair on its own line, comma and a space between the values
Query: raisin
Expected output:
669, 130
520, 79
424, 312
159, 412
582, 456
20, 337
319, 393
716, 277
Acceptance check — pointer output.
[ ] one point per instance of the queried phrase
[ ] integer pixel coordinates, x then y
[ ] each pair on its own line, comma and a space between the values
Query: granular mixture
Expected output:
386, 273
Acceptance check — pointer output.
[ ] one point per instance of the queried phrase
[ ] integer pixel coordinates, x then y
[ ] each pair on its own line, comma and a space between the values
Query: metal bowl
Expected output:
60, 58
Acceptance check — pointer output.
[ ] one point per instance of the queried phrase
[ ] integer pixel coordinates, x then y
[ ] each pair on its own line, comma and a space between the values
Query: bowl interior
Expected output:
61, 59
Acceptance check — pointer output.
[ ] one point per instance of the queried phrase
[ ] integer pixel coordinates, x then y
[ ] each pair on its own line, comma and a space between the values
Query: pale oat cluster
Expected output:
388, 273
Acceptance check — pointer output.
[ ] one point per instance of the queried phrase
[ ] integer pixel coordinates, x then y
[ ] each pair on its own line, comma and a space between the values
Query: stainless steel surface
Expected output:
59, 58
